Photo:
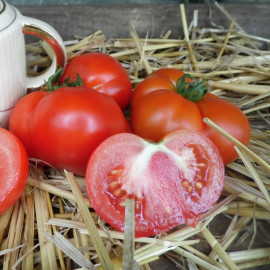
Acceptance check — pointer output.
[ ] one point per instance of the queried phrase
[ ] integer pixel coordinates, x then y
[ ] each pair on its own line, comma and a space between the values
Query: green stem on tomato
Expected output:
190, 90
52, 83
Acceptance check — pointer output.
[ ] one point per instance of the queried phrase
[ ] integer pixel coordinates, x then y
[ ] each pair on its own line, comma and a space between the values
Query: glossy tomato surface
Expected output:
21, 119
172, 182
230, 118
153, 114
14, 169
163, 111
63, 127
164, 78
103, 73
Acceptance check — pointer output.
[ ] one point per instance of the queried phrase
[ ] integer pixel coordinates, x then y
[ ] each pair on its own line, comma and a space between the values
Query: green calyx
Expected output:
190, 90
52, 83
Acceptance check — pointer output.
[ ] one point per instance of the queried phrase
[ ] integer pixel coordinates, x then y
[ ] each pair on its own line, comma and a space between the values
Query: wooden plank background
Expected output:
153, 19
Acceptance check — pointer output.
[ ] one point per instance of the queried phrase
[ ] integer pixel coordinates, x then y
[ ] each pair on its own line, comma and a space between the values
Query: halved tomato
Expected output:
14, 169
172, 182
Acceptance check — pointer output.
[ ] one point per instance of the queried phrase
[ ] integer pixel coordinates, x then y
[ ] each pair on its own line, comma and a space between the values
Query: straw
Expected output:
54, 220
97, 241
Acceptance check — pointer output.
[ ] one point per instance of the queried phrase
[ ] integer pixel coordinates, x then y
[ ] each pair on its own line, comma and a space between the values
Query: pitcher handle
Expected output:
46, 32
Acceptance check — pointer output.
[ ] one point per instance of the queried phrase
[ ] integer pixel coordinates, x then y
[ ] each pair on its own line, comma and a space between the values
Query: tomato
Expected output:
103, 73
14, 169
22, 118
230, 118
163, 111
158, 110
172, 182
63, 127
164, 78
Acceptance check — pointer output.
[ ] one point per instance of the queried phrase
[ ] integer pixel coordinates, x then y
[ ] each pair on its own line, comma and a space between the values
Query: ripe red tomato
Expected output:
163, 111
14, 169
172, 182
164, 78
63, 127
103, 73
157, 111
228, 117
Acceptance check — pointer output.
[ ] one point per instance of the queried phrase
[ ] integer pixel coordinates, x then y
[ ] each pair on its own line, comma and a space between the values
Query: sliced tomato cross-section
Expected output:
172, 182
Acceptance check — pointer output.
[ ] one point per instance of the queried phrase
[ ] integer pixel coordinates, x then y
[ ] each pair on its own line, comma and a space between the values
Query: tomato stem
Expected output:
190, 90
52, 83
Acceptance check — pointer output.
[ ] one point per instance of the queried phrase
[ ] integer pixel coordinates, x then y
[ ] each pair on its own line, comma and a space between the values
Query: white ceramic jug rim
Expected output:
7, 15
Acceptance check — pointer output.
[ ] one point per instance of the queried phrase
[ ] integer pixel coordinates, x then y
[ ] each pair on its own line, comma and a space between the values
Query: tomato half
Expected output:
63, 127
172, 182
103, 73
14, 169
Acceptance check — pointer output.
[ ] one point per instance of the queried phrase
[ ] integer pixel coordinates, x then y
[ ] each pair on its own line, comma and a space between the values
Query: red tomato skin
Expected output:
230, 118
165, 78
66, 125
21, 117
171, 73
165, 202
163, 111
103, 73
14, 169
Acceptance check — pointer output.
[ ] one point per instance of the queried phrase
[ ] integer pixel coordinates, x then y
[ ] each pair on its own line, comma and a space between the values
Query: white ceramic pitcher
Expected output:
13, 79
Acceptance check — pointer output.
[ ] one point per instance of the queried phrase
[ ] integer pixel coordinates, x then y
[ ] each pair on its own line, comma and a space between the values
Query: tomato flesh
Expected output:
14, 169
172, 182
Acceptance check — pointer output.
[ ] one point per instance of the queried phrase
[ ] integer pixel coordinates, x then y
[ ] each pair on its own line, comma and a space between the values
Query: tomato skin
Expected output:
14, 169
165, 78
155, 176
103, 73
171, 73
66, 125
21, 119
155, 114
163, 111
228, 117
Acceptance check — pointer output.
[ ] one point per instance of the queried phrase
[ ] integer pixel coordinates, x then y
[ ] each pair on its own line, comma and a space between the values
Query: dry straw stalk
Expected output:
54, 223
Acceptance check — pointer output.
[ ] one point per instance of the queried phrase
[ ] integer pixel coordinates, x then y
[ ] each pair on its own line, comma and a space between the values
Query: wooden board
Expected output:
151, 19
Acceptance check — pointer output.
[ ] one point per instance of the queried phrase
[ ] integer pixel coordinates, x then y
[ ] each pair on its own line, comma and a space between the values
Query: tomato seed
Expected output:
117, 192
198, 185
116, 172
113, 184
185, 184
190, 189
201, 164
122, 203
138, 206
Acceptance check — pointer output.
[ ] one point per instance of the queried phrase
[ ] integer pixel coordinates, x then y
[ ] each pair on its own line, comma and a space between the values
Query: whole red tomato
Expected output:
164, 78
230, 118
172, 182
63, 127
101, 72
163, 111
14, 169
156, 111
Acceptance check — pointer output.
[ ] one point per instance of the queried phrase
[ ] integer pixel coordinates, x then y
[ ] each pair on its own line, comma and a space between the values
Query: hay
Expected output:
51, 225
